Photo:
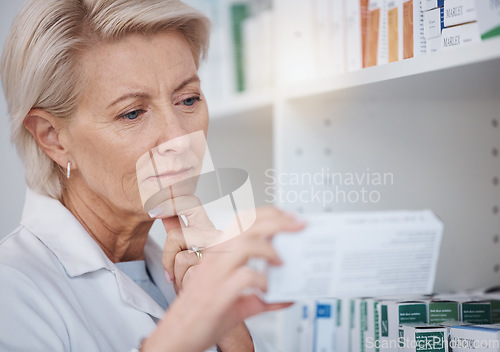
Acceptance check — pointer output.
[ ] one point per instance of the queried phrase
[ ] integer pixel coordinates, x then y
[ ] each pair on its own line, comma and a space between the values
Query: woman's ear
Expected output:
45, 129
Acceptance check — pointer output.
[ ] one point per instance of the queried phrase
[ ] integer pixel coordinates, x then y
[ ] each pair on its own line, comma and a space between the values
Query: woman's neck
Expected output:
121, 236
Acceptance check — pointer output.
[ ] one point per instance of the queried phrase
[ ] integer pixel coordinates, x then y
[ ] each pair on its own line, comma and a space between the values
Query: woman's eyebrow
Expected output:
193, 79
140, 95
130, 96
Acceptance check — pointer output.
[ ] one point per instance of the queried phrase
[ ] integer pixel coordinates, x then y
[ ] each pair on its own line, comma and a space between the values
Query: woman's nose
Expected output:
178, 144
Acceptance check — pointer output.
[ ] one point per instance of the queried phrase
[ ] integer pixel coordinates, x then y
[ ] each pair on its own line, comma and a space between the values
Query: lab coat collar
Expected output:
79, 254
61, 232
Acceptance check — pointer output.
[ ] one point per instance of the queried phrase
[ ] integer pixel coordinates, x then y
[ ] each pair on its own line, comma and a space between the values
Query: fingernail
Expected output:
155, 212
278, 262
298, 219
302, 222
167, 277
291, 215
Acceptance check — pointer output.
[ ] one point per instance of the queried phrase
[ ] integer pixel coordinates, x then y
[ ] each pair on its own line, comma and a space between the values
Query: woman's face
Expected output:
141, 93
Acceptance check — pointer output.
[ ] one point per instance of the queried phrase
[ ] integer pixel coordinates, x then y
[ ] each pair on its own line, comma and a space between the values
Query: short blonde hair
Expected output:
39, 65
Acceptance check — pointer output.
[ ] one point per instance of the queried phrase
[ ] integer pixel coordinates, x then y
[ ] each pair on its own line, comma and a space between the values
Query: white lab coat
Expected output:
60, 292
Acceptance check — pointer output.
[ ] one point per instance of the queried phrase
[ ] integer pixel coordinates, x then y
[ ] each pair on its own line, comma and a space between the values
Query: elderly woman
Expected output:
91, 86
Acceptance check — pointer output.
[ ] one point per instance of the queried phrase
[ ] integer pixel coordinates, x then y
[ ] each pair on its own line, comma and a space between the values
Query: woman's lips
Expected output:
173, 176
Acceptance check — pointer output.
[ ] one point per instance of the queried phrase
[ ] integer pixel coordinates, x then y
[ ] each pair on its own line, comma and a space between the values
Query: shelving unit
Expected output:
483, 52
247, 102
435, 129
433, 123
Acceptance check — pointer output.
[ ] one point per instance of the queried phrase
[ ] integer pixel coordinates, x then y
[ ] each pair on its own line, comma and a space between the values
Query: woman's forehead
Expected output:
160, 62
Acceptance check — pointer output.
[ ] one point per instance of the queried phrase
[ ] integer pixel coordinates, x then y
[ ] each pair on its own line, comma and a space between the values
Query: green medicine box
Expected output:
423, 338
443, 311
476, 312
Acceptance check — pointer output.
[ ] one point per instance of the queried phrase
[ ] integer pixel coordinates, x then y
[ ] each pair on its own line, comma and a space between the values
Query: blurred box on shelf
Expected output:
423, 337
433, 23
459, 11
356, 12
239, 12
329, 38
443, 311
395, 313
355, 331
488, 17
370, 324
413, 29
306, 325
431, 4
476, 312
258, 51
393, 323
324, 325
433, 45
395, 30
376, 36
471, 338
494, 300
458, 36
343, 324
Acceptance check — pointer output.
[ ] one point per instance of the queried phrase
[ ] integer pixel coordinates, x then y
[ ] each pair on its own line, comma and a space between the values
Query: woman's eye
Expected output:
132, 115
190, 101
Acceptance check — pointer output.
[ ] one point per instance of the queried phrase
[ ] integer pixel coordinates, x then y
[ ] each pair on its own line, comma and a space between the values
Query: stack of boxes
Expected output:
439, 323
460, 20
333, 36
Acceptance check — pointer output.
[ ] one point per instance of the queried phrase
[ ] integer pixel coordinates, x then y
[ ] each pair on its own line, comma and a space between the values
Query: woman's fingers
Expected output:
233, 296
225, 258
271, 221
180, 238
220, 290
177, 254
249, 305
174, 244
202, 237
184, 262
266, 229
171, 223
238, 251
270, 212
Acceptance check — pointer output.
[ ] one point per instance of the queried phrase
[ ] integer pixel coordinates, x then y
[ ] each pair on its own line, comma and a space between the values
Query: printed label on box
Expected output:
440, 312
476, 313
413, 313
459, 11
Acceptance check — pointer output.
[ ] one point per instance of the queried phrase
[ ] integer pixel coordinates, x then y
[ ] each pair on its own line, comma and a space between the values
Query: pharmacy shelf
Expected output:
472, 54
239, 104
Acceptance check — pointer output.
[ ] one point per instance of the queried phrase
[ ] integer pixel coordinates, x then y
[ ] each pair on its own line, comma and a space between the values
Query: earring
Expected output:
68, 170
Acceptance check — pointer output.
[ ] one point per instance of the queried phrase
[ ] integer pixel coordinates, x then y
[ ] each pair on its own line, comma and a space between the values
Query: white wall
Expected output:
12, 183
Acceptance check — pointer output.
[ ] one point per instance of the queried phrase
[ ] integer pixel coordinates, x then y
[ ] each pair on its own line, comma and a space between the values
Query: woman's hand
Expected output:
178, 258
214, 297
